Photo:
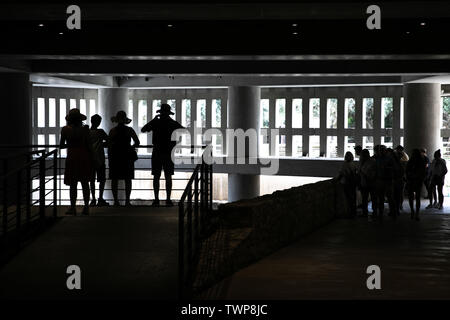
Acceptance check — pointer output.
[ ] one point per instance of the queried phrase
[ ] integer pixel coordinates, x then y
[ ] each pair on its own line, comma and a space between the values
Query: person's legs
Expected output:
92, 185
85, 186
114, 187
411, 202
101, 190
168, 177
73, 198
364, 200
441, 195
127, 191
417, 203
435, 199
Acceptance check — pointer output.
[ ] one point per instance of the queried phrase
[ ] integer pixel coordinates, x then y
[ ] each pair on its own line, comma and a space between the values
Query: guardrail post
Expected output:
55, 182
180, 250
42, 188
196, 216
210, 187
19, 203
189, 236
5, 198
28, 192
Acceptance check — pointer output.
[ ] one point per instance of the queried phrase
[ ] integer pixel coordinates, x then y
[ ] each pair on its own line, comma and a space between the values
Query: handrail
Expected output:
195, 205
28, 164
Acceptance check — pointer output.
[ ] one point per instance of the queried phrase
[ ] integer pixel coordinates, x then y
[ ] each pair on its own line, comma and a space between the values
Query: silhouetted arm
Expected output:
148, 127
63, 140
135, 138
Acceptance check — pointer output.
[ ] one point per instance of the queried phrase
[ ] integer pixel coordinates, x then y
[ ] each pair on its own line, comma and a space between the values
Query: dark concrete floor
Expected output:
123, 253
331, 263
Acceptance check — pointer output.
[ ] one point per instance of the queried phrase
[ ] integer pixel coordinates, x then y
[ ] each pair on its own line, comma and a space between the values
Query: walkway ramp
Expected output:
331, 263
124, 253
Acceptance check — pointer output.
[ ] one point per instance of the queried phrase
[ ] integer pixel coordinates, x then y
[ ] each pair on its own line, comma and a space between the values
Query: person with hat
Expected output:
122, 155
78, 168
162, 127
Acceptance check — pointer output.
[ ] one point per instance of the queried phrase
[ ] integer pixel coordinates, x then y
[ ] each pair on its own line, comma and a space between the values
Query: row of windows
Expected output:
368, 113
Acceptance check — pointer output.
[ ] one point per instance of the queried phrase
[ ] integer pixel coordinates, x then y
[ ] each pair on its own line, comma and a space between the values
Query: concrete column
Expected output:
15, 97
243, 113
110, 101
421, 116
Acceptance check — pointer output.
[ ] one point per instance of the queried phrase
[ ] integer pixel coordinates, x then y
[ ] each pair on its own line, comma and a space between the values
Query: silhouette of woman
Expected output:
75, 137
122, 155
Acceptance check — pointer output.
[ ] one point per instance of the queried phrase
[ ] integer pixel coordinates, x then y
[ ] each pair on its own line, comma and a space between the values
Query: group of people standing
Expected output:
386, 176
86, 159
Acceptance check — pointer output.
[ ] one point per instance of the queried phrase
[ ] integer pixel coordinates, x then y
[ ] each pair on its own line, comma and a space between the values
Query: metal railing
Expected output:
142, 164
193, 212
20, 214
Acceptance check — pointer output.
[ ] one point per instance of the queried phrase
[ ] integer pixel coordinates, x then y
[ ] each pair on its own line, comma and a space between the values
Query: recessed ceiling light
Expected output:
422, 23
41, 25
61, 33
170, 25
407, 32
294, 24
294, 33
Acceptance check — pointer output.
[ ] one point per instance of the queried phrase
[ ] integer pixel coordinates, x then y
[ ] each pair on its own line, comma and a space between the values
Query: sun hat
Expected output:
121, 117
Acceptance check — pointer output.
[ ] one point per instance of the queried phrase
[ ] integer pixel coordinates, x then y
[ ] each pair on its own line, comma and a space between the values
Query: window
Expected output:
83, 106
332, 113
41, 112
281, 145
445, 112
314, 113
387, 112
280, 114
387, 141
332, 147
402, 112
52, 139
349, 144
217, 141
368, 144
297, 116
73, 103
314, 146
216, 115
130, 110
349, 121
62, 112
142, 113
201, 113
264, 146
92, 108
143, 140
186, 113
264, 113
52, 112
368, 113
297, 143
156, 105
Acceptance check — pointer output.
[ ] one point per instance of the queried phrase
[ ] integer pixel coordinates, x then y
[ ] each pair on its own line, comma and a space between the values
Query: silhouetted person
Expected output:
367, 176
162, 126
384, 179
358, 150
99, 140
404, 158
122, 155
75, 137
415, 175
347, 177
438, 170
427, 179
397, 182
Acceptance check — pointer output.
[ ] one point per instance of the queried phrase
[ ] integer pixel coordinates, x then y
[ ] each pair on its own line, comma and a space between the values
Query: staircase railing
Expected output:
22, 213
193, 209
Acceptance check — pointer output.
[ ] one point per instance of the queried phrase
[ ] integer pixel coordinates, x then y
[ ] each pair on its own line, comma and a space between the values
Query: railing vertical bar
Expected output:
180, 250
19, 203
196, 220
28, 192
189, 236
42, 188
55, 182
5, 198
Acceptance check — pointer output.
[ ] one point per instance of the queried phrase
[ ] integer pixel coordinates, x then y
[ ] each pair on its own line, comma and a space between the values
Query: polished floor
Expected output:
331, 263
122, 253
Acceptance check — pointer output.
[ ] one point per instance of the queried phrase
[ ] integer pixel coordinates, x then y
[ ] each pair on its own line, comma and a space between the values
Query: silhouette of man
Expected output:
162, 126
